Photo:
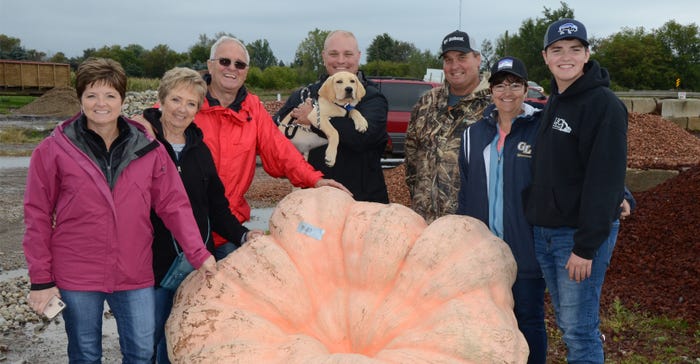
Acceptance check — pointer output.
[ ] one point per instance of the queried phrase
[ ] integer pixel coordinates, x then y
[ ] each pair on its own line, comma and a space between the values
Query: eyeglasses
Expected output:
515, 87
225, 62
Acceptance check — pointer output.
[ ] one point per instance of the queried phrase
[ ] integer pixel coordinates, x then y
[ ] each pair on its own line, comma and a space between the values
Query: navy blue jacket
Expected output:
473, 193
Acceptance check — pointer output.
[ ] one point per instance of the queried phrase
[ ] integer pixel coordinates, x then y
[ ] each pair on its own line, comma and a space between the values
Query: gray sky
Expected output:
70, 26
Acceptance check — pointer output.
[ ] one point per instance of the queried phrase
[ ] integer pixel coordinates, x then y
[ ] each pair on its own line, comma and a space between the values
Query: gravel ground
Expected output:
26, 336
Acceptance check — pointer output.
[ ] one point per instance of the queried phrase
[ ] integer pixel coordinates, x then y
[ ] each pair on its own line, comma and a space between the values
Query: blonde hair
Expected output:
181, 76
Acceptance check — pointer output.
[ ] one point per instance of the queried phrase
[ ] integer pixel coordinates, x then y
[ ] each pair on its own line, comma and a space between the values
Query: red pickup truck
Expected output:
401, 94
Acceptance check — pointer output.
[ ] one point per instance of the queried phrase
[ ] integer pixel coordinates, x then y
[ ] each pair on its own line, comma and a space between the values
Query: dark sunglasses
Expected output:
225, 62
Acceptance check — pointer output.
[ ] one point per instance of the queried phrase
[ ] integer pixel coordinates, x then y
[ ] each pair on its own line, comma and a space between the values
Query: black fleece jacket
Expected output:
579, 161
358, 165
205, 191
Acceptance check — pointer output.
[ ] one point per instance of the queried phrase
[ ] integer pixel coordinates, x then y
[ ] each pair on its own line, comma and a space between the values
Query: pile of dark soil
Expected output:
57, 102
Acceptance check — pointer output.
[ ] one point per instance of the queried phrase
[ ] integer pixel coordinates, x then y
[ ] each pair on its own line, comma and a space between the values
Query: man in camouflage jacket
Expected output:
437, 122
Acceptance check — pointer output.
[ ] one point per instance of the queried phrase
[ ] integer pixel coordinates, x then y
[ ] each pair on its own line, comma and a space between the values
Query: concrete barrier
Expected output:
643, 179
680, 121
642, 105
680, 108
694, 123
628, 103
683, 112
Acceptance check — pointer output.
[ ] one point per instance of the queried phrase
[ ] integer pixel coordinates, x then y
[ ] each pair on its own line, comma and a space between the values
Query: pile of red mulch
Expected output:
656, 143
396, 185
273, 106
655, 263
267, 191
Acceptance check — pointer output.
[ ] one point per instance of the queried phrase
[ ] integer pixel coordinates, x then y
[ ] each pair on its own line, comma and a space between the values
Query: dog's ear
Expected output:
327, 91
360, 89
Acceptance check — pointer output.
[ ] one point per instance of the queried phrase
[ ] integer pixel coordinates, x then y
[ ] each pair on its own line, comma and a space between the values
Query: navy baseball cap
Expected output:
457, 41
510, 65
565, 29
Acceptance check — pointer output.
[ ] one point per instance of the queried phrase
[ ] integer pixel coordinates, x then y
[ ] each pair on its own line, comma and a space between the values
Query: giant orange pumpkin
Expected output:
340, 281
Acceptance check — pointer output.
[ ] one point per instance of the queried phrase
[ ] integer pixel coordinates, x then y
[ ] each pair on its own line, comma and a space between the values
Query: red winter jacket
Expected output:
236, 137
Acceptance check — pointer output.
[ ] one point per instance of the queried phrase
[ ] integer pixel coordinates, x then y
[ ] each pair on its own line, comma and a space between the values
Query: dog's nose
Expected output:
348, 90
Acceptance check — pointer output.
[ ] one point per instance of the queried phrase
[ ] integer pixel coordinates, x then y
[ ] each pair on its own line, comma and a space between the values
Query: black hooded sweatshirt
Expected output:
580, 160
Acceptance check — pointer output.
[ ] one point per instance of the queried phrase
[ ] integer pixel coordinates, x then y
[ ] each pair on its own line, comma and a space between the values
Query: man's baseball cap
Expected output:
565, 29
510, 65
457, 41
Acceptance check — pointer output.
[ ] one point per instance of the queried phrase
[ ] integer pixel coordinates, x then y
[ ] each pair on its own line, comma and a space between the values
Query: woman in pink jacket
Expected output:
90, 188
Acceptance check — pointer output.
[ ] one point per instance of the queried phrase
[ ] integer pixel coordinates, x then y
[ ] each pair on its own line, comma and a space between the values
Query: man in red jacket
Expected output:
237, 128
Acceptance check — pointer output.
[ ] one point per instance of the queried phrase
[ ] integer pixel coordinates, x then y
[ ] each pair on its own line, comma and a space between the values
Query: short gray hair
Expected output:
224, 39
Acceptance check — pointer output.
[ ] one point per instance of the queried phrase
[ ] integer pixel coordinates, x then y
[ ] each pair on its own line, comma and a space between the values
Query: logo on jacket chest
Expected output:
524, 150
561, 125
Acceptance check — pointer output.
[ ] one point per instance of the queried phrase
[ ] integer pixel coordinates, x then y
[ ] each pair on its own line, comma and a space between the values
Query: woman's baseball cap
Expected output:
565, 29
510, 65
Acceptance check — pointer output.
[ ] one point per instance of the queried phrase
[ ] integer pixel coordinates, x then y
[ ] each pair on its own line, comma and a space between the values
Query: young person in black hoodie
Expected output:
574, 202
181, 94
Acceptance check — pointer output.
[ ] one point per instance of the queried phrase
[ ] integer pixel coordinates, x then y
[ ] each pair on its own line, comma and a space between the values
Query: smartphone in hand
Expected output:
54, 307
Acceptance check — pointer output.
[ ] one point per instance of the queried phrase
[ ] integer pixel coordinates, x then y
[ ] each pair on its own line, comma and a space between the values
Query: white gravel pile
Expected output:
136, 102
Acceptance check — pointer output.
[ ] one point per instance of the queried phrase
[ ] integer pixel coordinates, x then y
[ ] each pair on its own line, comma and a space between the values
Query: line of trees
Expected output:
636, 58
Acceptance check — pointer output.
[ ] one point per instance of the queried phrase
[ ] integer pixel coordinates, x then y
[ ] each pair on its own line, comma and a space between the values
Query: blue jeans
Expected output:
529, 311
133, 311
164, 304
224, 250
576, 305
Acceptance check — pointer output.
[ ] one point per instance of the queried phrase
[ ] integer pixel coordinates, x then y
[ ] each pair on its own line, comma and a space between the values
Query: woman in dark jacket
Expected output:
181, 93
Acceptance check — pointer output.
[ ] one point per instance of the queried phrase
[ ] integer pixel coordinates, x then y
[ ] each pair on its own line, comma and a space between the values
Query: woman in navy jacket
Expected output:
494, 161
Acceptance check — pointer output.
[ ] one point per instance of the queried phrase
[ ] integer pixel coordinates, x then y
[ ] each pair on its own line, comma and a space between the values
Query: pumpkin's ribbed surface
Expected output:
340, 281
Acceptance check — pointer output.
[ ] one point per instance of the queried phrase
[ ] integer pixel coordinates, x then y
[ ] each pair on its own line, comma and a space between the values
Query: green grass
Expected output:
17, 135
9, 103
636, 337
142, 84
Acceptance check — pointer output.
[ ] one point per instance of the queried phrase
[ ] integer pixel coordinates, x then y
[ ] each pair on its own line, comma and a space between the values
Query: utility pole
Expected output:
460, 15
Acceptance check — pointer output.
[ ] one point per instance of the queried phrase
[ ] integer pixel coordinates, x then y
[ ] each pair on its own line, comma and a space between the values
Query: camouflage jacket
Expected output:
432, 148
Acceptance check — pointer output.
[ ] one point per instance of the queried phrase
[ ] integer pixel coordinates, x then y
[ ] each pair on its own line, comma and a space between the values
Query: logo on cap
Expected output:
568, 28
505, 63
450, 39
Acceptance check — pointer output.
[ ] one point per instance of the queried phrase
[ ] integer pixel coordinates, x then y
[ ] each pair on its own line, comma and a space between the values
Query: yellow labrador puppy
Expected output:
337, 97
